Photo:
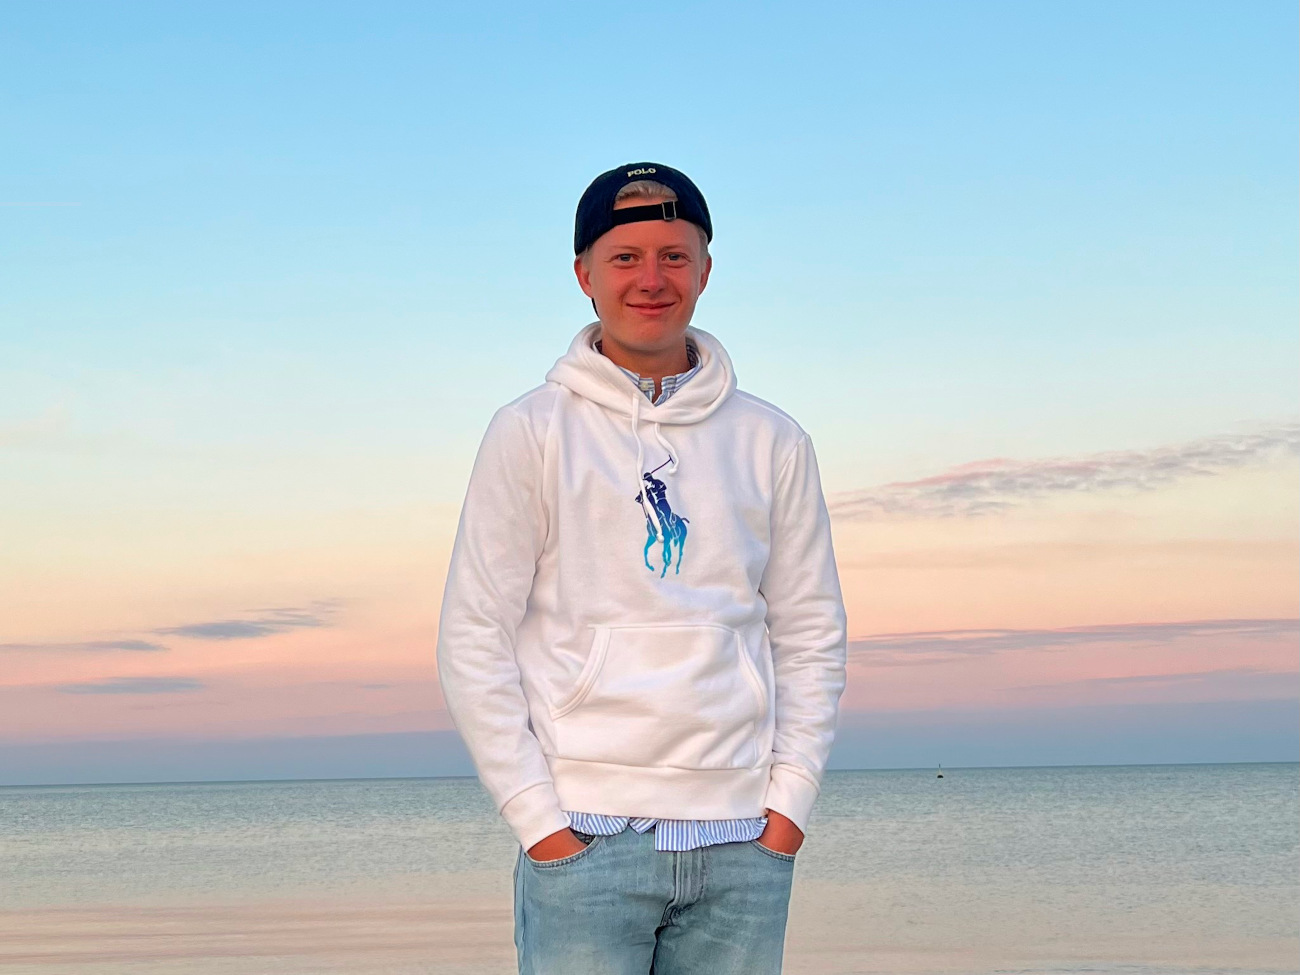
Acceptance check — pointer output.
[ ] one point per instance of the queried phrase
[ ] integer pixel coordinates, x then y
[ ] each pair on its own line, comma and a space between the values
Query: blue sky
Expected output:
998, 208
266, 271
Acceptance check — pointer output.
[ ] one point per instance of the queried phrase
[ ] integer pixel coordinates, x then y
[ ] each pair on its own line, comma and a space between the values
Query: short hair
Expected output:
644, 189
650, 191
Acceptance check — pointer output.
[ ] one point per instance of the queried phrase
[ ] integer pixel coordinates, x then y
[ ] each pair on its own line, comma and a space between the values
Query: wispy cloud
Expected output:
259, 623
1055, 551
995, 485
93, 646
1224, 683
134, 685
943, 646
1163, 680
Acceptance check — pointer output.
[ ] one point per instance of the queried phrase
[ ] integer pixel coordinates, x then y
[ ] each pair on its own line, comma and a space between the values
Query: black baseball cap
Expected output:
596, 213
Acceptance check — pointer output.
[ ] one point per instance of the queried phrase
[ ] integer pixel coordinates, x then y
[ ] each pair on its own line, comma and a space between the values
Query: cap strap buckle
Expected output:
664, 210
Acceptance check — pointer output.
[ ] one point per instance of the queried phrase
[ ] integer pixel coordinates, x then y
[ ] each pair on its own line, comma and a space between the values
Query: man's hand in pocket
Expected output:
557, 846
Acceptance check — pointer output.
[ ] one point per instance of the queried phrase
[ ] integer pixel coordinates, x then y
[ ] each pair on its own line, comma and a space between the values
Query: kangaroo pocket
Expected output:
686, 696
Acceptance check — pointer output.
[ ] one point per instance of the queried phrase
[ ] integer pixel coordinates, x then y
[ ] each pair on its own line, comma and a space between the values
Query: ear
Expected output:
581, 271
704, 276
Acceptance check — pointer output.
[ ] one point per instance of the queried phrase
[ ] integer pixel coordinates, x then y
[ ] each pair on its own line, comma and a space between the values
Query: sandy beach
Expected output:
835, 929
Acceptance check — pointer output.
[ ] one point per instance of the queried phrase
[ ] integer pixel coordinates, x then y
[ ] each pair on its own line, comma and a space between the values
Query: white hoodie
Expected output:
642, 614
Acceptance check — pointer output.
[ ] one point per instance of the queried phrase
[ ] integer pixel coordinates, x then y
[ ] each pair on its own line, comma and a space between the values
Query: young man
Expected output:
642, 638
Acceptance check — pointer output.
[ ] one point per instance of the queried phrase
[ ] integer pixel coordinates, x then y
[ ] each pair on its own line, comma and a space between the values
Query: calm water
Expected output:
1122, 870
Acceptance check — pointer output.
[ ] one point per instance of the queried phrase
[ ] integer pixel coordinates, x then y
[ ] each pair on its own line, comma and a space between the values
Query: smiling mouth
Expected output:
668, 304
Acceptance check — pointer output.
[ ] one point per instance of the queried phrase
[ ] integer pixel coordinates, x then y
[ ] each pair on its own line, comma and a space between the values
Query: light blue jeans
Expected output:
621, 907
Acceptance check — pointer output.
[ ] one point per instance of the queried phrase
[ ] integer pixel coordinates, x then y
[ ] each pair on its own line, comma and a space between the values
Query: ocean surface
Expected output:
1132, 870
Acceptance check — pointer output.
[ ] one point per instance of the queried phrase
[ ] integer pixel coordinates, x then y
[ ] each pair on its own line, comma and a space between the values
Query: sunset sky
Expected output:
1026, 272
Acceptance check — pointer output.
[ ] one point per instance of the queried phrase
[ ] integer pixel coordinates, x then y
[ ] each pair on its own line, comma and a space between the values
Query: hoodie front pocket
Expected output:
680, 695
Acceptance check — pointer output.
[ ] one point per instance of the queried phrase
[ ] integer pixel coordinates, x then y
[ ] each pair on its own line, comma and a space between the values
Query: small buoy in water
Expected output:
940, 775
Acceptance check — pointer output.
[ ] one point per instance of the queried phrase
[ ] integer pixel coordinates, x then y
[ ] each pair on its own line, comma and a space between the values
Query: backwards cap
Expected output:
596, 213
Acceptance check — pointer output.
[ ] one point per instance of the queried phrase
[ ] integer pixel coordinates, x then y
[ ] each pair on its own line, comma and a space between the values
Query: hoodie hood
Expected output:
592, 376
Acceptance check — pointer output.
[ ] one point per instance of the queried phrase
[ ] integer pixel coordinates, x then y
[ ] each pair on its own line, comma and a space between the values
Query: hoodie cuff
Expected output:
791, 794
535, 814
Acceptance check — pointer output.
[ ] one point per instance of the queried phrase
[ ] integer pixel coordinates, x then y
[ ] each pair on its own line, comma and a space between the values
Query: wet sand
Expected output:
835, 929
281, 936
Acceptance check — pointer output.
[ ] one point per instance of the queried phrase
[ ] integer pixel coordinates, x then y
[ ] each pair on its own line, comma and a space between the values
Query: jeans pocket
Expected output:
592, 843
774, 854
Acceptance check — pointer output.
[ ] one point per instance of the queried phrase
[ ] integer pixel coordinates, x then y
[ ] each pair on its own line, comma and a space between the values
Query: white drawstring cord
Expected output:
672, 454
646, 506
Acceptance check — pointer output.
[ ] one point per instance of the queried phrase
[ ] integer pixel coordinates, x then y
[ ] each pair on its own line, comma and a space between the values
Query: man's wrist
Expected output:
793, 792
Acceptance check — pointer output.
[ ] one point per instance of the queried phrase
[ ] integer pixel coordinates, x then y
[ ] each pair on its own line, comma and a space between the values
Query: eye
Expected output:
676, 258
624, 258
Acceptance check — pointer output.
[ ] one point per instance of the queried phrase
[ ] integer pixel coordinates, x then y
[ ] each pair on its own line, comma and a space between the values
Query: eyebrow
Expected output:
631, 248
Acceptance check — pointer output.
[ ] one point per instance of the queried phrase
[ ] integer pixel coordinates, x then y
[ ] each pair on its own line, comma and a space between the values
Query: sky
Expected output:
1025, 272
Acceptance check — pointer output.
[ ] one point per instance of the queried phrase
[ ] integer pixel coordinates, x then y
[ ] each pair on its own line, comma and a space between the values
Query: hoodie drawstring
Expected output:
651, 514
668, 449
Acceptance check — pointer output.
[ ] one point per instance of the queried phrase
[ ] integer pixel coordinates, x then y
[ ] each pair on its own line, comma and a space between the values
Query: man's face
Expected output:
645, 278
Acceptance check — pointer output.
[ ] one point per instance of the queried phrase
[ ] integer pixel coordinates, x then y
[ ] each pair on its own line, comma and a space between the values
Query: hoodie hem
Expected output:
662, 792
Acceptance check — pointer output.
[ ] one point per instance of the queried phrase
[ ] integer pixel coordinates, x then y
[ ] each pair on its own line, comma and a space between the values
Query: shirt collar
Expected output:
669, 384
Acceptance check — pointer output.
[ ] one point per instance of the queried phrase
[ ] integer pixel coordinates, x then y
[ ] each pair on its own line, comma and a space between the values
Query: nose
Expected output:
651, 277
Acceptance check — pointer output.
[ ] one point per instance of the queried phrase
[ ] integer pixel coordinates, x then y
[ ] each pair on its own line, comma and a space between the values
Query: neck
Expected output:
651, 365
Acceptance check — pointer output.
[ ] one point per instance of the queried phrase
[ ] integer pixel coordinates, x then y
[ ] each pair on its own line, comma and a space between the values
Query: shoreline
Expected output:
829, 933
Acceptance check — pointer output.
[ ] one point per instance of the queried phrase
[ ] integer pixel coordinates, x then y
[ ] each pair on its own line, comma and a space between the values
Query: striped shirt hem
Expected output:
675, 835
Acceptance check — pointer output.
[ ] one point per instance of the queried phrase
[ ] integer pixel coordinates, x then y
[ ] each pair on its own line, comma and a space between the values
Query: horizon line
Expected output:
435, 778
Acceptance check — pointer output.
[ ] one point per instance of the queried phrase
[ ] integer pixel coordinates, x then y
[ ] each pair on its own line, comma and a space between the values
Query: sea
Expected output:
1130, 870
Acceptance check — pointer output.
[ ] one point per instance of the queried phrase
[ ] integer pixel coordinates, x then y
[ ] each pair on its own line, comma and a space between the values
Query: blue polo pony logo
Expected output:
671, 527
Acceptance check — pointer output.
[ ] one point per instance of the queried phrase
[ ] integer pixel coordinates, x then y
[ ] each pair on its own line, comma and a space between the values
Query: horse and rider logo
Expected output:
671, 527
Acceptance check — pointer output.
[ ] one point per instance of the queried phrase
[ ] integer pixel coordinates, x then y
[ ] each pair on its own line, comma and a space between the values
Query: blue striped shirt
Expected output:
669, 384
670, 834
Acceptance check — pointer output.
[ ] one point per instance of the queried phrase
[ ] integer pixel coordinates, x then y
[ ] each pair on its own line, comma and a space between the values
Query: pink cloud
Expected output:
998, 484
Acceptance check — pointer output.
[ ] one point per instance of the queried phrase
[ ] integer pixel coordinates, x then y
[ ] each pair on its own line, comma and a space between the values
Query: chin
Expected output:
646, 336
659, 340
